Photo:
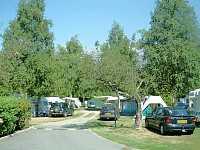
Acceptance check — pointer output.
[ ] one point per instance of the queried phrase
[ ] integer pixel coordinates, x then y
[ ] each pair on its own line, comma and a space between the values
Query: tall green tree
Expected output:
65, 68
73, 46
27, 46
170, 49
118, 65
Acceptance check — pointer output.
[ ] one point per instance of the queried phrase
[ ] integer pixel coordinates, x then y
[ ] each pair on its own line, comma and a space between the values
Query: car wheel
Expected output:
65, 114
146, 124
190, 132
162, 130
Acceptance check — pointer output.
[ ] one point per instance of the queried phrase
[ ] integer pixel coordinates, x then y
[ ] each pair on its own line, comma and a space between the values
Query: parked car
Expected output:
60, 109
70, 106
109, 111
43, 108
168, 119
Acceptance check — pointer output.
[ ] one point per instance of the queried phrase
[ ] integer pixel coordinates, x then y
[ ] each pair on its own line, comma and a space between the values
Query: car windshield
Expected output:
108, 107
179, 112
56, 105
180, 104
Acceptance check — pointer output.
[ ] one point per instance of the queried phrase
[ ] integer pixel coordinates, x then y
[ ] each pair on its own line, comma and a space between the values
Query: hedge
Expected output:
15, 112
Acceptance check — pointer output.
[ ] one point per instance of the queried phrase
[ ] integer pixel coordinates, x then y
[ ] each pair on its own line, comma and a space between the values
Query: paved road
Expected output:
69, 135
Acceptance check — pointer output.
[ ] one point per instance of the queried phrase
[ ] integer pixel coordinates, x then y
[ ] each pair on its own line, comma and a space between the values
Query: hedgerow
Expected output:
15, 113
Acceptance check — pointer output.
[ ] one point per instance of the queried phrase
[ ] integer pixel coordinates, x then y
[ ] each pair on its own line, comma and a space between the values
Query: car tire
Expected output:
162, 130
65, 114
146, 124
190, 132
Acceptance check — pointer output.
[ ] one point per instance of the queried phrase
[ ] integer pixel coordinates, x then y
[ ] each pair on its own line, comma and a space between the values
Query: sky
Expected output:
91, 20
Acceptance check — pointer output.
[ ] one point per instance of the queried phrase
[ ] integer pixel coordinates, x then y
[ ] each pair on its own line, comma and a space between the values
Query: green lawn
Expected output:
143, 138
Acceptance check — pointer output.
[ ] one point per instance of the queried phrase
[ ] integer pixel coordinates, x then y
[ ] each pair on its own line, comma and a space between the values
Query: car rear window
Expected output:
92, 103
179, 112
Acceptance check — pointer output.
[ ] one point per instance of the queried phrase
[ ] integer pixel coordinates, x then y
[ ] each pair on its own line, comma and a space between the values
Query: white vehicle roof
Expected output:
112, 98
53, 99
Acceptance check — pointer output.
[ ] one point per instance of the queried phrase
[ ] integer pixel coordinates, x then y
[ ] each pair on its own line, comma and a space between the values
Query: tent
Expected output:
113, 98
146, 105
53, 99
152, 100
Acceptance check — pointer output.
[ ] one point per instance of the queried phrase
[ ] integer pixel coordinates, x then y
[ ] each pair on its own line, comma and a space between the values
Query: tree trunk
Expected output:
138, 117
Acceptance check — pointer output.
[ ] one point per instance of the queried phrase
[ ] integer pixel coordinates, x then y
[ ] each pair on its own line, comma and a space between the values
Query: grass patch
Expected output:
143, 138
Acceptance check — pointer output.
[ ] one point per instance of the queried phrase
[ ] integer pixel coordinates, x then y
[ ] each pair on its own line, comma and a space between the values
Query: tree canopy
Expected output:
170, 49
27, 46
30, 64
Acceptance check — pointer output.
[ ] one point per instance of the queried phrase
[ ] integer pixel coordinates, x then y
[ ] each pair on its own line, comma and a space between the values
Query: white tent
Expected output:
53, 99
152, 100
112, 98
76, 101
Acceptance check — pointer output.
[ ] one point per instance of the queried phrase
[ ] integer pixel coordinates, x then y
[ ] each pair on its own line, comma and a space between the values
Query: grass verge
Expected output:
143, 138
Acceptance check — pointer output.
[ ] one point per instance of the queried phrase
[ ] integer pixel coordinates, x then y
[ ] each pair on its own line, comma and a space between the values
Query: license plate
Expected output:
182, 121
183, 130
108, 113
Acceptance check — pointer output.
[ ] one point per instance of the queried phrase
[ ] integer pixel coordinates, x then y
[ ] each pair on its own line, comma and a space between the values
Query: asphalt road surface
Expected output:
66, 135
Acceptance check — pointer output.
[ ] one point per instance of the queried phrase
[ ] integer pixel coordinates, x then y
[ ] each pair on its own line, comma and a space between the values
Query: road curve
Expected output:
70, 135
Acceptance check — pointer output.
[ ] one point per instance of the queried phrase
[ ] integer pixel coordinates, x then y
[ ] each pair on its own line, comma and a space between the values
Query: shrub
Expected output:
15, 114
24, 114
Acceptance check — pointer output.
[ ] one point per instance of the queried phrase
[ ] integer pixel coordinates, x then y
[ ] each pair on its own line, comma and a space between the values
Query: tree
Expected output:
118, 65
170, 49
74, 46
28, 46
67, 68
4, 87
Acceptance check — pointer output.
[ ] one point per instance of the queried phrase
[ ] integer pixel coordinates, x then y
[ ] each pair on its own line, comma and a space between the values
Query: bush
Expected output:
15, 114
24, 114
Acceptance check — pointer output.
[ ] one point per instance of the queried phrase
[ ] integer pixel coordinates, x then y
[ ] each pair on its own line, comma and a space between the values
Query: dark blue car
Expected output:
168, 119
